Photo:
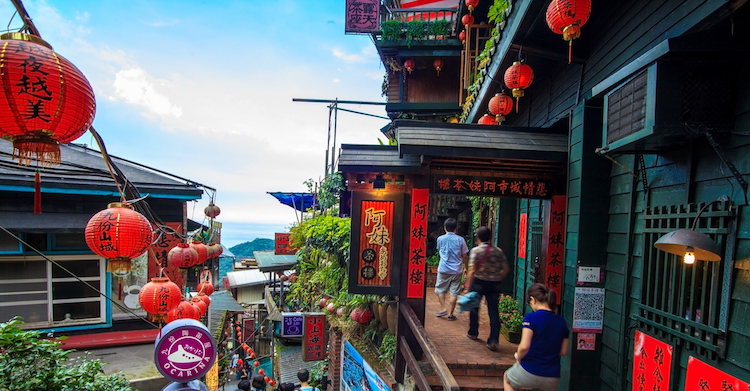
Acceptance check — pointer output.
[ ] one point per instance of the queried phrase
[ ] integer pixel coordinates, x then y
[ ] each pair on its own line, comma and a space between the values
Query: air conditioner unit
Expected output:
670, 101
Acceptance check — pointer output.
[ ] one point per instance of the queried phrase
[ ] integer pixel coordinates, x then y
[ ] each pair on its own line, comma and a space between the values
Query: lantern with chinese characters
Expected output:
202, 251
204, 297
212, 210
566, 17
159, 296
467, 20
500, 105
196, 310
46, 100
182, 255
205, 287
202, 306
183, 311
409, 65
462, 36
518, 77
487, 120
471, 4
118, 234
438, 64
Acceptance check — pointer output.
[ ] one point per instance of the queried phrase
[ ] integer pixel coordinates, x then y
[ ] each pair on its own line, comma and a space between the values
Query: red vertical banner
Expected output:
703, 377
553, 269
375, 243
313, 337
522, 238
420, 199
248, 331
652, 363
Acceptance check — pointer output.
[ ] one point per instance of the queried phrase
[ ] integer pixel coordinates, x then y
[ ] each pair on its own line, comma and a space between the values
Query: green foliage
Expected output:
330, 190
392, 30
433, 260
317, 372
438, 28
483, 206
496, 12
415, 29
509, 315
384, 86
514, 321
246, 249
388, 347
31, 363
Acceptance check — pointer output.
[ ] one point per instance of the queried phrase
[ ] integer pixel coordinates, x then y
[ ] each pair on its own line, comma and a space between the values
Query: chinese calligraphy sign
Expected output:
362, 16
375, 248
703, 377
314, 341
522, 235
492, 186
281, 244
420, 199
652, 363
553, 270
248, 330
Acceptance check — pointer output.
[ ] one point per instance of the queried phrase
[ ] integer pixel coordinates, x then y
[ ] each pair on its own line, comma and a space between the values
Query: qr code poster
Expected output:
588, 310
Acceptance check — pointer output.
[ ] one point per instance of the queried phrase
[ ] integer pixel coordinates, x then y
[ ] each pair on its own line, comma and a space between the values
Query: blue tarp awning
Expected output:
299, 201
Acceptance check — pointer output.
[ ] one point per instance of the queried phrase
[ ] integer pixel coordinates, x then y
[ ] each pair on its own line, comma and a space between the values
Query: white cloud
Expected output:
135, 87
336, 80
367, 54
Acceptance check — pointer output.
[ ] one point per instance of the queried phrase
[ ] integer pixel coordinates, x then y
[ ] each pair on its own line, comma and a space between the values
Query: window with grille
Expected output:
686, 304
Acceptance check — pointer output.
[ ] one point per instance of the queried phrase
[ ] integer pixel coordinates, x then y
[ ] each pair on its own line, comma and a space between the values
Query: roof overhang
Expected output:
376, 158
269, 262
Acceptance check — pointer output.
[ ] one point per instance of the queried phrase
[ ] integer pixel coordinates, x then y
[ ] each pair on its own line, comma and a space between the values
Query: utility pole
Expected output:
333, 110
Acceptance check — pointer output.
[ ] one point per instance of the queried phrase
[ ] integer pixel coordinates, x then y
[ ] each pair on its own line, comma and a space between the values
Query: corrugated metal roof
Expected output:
269, 262
246, 278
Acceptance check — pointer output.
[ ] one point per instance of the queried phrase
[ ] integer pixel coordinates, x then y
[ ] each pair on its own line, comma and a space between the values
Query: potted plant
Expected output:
392, 30
511, 327
432, 263
415, 29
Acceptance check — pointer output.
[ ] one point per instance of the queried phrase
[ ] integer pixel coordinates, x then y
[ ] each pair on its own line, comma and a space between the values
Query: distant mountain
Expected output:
246, 249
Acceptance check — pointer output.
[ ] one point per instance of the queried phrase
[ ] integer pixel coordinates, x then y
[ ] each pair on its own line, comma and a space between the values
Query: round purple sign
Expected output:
184, 351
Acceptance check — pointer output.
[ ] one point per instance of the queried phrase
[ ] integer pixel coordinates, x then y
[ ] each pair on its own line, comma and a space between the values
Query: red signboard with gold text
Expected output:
553, 270
420, 199
652, 363
281, 244
314, 337
703, 377
375, 248
522, 238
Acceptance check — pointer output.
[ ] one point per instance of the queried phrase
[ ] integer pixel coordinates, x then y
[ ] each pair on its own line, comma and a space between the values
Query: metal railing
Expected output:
406, 15
430, 350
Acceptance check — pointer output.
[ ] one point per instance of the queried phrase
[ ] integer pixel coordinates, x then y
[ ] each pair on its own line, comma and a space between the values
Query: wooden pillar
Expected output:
335, 339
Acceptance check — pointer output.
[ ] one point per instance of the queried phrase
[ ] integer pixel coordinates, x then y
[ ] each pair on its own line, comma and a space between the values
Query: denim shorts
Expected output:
521, 378
448, 282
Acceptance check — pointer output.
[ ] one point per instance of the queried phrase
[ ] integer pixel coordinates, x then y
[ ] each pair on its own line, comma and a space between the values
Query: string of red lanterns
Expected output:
438, 64
471, 4
500, 105
159, 297
487, 120
566, 17
467, 20
518, 77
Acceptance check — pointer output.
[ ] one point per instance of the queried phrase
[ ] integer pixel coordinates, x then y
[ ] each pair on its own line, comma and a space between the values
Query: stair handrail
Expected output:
438, 364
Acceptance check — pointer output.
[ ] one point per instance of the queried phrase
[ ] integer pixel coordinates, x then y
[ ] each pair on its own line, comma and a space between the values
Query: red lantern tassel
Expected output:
37, 193
570, 50
517, 104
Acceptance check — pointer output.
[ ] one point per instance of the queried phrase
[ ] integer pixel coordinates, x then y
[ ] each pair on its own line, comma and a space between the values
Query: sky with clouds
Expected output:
203, 90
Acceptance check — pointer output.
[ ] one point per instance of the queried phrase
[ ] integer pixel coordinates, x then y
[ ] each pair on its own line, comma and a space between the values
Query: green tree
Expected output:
31, 363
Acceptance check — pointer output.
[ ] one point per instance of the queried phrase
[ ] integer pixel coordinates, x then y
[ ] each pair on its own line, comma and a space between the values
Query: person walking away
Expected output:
243, 385
453, 261
258, 383
303, 375
487, 267
544, 339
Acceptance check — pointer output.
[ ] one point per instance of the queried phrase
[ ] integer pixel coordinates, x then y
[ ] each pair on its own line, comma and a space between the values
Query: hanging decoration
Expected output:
183, 311
47, 101
202, 251
467, 20
409, 65
182, 255
471, 4
462, 36
196, 310
500, 105
487, 120
118, 234
438, 64
212, 210
518, 77
202, 306
566, 17
205, 287
159, 296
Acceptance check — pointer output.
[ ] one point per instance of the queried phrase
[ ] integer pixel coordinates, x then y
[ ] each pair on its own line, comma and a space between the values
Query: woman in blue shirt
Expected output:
544, 338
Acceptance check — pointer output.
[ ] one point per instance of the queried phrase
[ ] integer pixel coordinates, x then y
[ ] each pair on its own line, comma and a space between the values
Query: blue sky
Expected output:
203, 90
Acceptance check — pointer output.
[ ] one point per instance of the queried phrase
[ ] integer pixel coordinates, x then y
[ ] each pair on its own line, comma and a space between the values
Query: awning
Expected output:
269, 262
376, 158
248, 277
298, 201
45, 222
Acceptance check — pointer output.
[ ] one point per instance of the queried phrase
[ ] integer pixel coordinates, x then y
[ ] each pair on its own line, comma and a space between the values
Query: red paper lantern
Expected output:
487, 120
500, 105
267, 379
462, 36
159, 296
566, 17
261, 371
118, 234
409, 65
196, 310
467, 19
256, 364
202, 251
47, 101
518, 77
183, 256
183, 311
471, 4
212, 210
438, 64
272, 383
204, 298
201, 305
205, 287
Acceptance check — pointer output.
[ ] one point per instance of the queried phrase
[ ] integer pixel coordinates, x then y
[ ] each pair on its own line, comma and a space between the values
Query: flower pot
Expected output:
383, 315
392, 313
510, 336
